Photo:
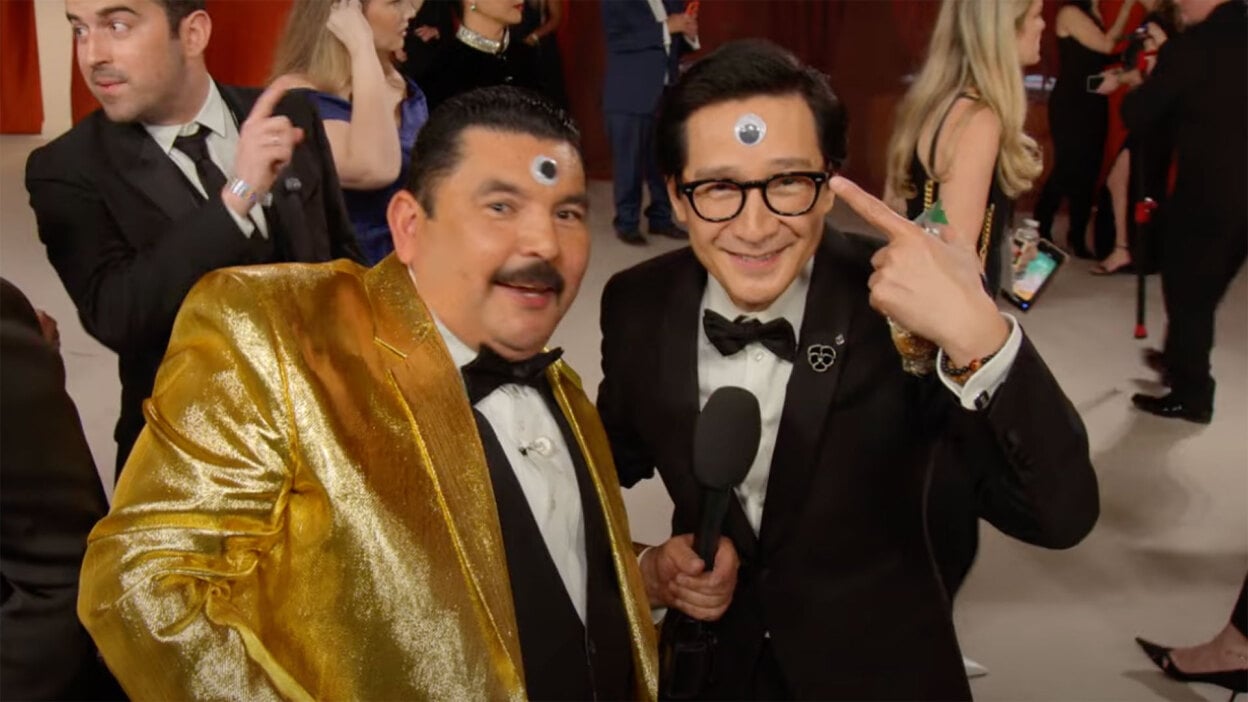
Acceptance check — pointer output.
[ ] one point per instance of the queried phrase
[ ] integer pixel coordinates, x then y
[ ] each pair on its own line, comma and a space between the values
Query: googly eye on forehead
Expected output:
750, 129
545, 170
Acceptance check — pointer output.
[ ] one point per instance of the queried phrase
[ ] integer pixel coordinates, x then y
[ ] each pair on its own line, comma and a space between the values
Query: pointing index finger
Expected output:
879, 215
263, 109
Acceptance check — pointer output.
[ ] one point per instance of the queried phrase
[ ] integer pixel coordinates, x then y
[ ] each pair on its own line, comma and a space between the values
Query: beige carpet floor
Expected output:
1165, 560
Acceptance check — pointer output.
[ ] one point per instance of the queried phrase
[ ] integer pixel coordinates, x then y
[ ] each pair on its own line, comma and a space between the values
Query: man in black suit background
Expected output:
171, 179
50, 497
645, 40
1198, 92
837, 595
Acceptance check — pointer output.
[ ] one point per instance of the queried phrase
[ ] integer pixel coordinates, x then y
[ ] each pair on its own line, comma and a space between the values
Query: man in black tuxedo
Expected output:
175, 176
837, 595
1199, 93
50, 497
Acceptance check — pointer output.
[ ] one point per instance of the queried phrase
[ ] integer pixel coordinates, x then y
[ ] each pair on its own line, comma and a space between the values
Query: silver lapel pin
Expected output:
820, 357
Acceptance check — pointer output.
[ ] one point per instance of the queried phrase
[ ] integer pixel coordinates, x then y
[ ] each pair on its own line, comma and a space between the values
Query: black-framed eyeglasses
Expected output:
789, 194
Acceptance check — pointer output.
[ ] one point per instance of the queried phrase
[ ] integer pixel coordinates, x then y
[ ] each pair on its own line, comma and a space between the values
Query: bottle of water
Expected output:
918, 355
1024, 239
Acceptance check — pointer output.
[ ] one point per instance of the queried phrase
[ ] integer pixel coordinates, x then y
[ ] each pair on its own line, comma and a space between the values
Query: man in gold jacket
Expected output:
322, 507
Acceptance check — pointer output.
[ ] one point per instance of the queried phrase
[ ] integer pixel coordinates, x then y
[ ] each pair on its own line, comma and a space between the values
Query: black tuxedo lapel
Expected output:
140, 161
679, 381
808, 397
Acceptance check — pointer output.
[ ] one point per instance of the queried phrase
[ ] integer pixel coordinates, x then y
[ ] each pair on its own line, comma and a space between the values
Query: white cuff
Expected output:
980, 388
244, 223
667, 37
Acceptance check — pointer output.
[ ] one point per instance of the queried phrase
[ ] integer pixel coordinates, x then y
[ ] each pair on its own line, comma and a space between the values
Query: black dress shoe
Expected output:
1170, 406
670, 230
631, 237
1234, 680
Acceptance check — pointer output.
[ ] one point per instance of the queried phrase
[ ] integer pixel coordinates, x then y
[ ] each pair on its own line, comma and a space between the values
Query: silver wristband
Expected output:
239, 187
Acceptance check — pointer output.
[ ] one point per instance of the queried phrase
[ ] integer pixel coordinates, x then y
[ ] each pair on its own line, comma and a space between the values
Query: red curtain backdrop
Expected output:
244, 36
21, 98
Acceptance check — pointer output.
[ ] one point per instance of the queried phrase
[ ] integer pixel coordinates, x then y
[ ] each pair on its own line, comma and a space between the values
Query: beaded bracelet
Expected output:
963, 374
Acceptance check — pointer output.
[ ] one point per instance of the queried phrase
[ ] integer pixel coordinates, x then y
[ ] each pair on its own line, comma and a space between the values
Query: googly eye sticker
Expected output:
750, 129
545, 170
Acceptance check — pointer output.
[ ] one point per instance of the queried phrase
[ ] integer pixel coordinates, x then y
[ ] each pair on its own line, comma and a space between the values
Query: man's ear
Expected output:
407, 219
679, 207
194, 32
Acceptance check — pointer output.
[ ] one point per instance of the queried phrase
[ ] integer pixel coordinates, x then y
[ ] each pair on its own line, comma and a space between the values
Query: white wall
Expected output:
56, 48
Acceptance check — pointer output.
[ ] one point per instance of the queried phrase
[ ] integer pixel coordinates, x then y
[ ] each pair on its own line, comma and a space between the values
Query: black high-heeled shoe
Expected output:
1234, 680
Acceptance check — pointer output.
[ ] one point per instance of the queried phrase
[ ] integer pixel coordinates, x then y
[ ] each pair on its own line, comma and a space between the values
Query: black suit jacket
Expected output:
1199, 93
128, 235
50, 497
842, 574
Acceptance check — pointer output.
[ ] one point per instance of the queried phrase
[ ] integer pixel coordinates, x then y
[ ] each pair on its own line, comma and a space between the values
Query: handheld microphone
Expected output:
725, 441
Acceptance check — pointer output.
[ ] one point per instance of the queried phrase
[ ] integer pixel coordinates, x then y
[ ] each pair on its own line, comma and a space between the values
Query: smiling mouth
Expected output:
757, 259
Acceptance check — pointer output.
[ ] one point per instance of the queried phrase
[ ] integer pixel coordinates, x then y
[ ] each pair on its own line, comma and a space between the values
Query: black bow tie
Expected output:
730, 337
489, 371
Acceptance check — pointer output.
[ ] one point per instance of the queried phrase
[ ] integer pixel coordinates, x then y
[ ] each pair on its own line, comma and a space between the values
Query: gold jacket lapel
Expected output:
591, 438
446, 434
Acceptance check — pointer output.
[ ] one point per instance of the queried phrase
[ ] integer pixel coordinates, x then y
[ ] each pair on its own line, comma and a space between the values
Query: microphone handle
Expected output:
711, 524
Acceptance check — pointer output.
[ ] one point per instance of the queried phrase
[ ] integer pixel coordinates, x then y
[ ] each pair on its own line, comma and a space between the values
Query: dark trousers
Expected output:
1196, 269
1078, 130
632, 159
1075, 181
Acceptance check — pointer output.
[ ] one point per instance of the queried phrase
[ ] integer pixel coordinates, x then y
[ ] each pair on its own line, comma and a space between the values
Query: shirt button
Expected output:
544, 446
758, 355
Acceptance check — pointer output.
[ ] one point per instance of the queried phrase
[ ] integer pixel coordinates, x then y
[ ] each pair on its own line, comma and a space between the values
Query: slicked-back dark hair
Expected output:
498, 108
739, 70
178, 10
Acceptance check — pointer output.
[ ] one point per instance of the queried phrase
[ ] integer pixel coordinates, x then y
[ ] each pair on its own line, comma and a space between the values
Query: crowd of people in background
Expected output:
419, 159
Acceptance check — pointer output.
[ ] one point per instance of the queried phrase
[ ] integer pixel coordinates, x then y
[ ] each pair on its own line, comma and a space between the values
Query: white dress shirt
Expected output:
521, 419
215, 116
760, 371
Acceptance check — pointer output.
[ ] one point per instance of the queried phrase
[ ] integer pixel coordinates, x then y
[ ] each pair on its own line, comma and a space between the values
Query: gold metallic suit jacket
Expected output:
308, 514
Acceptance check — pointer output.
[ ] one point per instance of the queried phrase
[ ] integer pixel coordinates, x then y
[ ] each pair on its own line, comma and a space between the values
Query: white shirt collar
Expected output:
214, 115
791, 304
659, 11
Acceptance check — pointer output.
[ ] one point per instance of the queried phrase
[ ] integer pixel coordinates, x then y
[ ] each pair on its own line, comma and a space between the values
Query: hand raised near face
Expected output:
928, 284
266, 144
347, 23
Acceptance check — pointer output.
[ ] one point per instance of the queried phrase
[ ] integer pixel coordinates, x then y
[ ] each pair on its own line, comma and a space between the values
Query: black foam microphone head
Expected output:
725, 439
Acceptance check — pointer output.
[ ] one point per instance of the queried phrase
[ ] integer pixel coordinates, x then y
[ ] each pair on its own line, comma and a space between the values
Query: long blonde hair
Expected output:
309, 48
974, 46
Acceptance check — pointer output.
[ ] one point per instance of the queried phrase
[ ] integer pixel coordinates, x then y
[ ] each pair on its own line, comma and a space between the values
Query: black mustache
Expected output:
98, 74
536, 274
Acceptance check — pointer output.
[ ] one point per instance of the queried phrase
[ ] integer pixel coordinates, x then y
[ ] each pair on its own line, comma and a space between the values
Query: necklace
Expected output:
481, 42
